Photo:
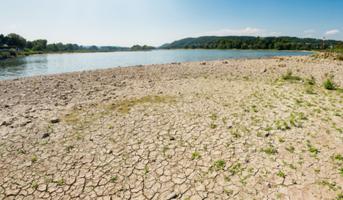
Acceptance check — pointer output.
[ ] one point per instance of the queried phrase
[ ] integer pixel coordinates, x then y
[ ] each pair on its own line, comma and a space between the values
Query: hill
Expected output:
250, 42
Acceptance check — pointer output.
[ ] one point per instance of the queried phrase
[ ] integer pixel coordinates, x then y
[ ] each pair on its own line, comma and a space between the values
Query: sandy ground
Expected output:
217, 130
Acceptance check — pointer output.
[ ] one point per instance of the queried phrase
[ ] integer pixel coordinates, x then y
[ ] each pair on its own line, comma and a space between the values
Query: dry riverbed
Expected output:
235, 129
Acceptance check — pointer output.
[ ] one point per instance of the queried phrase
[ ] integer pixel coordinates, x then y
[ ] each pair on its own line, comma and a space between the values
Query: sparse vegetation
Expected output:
196, 155
125, 106
329, 84
281, 174
60, 182
34, 159
34, 185
288, 76
270, 150
219, 165
213, 125
114, 178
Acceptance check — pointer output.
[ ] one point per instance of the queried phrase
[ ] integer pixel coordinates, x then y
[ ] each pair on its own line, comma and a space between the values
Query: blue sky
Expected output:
154, 22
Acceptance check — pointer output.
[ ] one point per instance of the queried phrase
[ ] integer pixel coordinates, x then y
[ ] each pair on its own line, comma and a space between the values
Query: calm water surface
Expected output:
70, 62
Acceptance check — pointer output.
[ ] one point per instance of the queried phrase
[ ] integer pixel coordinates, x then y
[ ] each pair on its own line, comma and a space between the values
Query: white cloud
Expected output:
332, 32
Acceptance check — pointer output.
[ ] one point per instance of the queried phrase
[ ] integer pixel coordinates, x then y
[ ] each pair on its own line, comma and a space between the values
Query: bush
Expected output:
329, 84
290, 77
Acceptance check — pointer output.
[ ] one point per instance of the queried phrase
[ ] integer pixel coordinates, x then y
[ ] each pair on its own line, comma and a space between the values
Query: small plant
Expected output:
236, 168
146, 169
114, 178
60, 182
329, 84
311, 81
312, 149
341, 171
338, 157
219, 165
196, 155
270, 150
69, 148
290, 149
34, 159
213, 116
340, 195
281, 174
34, 185
213, 126
309, 90
290, 77
281, 139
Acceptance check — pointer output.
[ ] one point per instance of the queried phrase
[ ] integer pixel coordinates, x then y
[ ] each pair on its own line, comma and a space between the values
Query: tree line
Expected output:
250, 42
15, 41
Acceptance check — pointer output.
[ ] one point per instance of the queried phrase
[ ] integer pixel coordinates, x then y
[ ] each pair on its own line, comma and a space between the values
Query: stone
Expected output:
55, 120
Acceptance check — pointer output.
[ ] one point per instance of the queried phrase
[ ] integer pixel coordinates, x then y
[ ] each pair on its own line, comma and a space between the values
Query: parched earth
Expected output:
235, 129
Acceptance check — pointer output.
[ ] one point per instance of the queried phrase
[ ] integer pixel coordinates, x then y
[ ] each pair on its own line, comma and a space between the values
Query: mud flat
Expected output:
235, 129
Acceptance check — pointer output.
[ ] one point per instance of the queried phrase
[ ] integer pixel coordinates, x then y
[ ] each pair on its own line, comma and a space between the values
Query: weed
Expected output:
290, 77
338, 157
236, 168
146, 169
213, 126
290, 149
196, 155
125, 106
341, 171
214, 116
34, 159
312, 149
281, 174
311, 81
60, 182
114, 178
34, 185
329, 84
270, 150
219, 165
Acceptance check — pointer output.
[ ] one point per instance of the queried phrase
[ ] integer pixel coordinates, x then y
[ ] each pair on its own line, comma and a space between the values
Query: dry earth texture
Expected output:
235, 129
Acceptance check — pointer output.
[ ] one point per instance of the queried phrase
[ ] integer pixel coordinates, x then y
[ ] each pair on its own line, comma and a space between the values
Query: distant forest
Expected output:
249, 42
12, 45
18, 42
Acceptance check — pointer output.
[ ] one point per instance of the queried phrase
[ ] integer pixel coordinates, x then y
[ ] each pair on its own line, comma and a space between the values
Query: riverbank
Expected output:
239, 129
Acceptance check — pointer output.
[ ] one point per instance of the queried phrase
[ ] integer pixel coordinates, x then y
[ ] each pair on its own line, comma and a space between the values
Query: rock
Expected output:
6, 122
55, 120
172, 196
45, 135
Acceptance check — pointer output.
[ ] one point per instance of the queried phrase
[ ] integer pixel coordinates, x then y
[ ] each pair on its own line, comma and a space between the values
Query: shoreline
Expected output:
170, 63
234, 128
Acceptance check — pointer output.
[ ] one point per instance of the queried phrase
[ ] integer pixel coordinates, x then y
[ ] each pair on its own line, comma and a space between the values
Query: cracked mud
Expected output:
217, 130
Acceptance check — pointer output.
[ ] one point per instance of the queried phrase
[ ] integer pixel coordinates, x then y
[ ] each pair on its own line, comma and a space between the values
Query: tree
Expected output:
39, 45
2, 40
16, 40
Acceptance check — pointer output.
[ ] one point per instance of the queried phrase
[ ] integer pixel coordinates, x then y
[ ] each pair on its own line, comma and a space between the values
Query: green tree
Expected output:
16, 40
39, 45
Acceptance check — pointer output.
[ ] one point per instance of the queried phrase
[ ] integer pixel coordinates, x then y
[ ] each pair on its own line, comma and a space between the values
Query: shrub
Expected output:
329, 84
290, 77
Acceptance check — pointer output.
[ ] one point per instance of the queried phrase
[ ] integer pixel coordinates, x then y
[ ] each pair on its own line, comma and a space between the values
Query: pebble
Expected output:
55, 120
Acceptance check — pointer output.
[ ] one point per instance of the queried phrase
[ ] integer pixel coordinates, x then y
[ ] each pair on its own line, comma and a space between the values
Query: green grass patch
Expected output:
219, 165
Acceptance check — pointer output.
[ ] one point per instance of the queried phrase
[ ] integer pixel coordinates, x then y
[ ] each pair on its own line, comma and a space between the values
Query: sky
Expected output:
155, 22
